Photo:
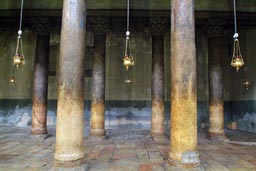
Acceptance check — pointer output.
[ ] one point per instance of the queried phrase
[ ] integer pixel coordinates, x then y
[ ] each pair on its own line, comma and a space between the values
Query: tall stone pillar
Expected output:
158, 27
39, 108
183, 144
214, 27
70, 107
100, 26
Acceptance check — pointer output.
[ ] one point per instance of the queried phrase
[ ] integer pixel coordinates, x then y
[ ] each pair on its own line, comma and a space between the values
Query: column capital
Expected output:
55, 25
42, 25
55, 31
158, 25
214, 27
100, 25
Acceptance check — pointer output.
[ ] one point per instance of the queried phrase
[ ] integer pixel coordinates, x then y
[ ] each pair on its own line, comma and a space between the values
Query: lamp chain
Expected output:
21, 10
127, 41
128, 14
235, 34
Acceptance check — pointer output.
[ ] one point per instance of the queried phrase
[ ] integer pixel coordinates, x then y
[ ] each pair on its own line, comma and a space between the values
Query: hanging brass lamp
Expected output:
237, 59
128, 60
19, 58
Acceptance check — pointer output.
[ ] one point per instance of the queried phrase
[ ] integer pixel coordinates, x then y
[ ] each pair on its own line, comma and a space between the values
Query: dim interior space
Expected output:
126, 85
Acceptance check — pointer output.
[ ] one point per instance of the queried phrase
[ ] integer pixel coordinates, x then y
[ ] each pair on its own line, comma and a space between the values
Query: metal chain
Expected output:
21, 10
128, 14
235, 15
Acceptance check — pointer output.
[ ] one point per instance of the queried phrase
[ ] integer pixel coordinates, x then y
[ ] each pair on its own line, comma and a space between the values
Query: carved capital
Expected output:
55, 25
42, 25
158, 25
100, 25
214, 27
55, 31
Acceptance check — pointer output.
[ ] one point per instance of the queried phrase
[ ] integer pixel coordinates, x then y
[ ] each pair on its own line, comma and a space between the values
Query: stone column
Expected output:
183, 144
158, 27
70, 108
214, 27
100, 26
39, 108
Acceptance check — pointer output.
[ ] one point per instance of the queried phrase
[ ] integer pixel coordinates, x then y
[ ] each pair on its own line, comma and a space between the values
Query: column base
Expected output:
158, 136
156, 133
68, 158
39, 136
189, 159
97, 132
173, 168
38, 131
77, 165
216, 136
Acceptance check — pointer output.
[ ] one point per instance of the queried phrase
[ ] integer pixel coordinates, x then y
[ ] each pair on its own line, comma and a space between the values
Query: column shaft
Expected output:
215, 87
183, 144
39, 108
98, 87
70, 107
157, 116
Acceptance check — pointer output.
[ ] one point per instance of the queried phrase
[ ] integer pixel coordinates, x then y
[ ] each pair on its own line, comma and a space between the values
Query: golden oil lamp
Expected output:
128, 61
12, 80
237, 59
18, 60
237, 62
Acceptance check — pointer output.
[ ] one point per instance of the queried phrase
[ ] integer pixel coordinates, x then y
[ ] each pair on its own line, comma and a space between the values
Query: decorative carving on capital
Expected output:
55, 25
42, 25
55, 31
158, 25
100, 25
214, 27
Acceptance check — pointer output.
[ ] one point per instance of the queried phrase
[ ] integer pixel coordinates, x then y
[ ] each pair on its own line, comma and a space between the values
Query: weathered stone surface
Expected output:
183, 80
39, 108
216, 103
157, 88
70, 107
98, 87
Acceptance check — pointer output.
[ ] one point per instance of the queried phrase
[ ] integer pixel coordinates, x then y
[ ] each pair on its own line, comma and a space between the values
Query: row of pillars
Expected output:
70, 107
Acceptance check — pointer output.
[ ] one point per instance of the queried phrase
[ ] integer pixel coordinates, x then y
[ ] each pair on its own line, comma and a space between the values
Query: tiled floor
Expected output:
124, 150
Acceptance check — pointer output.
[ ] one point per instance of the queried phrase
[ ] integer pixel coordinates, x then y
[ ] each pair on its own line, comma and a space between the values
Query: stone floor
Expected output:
124, 150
